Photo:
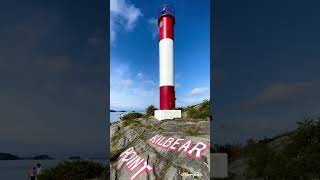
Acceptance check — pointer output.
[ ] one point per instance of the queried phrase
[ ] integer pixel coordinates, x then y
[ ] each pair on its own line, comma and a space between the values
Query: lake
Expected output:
114, 116
18, 169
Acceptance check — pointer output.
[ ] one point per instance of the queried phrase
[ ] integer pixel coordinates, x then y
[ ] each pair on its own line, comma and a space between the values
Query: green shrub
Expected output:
74, 170
181, 108
131, 116
150, 111
200, 111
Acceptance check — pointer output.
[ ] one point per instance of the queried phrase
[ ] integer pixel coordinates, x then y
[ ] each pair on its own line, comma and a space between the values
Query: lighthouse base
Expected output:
167, 114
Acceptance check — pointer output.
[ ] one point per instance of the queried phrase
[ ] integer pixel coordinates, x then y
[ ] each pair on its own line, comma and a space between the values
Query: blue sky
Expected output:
134, 59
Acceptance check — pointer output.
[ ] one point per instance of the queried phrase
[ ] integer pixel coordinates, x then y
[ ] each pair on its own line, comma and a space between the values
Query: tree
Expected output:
150, 110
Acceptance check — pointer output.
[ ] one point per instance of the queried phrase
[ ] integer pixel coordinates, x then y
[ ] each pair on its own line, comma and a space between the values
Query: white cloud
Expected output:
195, 96
187, 101
130, 91
123, 14
154, 27
120, 76
126, 82
199, 91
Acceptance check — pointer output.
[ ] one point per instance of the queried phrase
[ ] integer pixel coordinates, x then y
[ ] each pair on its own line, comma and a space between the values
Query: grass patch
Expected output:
114, 141
131, 116
137, 123
200, 111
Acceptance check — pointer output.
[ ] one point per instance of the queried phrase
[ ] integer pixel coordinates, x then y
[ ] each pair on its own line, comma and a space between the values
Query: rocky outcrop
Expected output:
166, 163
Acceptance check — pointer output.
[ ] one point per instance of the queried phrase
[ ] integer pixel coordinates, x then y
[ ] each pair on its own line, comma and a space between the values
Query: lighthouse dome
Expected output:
167, 8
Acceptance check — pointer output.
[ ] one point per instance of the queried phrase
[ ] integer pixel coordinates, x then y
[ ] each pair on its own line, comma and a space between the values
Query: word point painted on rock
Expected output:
133, 160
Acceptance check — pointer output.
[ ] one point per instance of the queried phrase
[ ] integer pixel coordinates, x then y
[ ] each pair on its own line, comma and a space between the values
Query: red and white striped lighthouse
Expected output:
166, 35
166, 21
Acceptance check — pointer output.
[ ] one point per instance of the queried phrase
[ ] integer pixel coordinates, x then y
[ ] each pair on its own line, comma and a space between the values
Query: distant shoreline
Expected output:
126, 111
11, 157
117, 111
115, 116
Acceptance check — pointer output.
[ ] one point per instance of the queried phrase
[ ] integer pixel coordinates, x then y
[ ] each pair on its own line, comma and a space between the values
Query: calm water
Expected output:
114, 116
18, 169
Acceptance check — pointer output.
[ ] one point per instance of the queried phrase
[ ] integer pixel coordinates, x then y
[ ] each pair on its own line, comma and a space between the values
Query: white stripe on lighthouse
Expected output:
166, 62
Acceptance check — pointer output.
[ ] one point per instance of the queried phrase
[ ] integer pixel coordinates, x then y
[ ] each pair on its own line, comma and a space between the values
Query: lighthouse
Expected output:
166, 22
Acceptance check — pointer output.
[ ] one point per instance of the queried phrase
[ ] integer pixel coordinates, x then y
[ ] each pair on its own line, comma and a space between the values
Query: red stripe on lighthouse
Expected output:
167, 98
166, 23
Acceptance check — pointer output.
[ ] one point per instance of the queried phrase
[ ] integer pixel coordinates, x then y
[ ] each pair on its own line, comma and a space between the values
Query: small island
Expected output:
42, 157
7, 156
117, 111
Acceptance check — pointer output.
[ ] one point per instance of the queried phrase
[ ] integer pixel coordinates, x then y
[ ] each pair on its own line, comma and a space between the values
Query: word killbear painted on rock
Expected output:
133, 160
173, 145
